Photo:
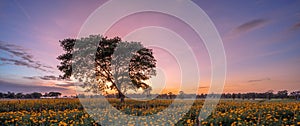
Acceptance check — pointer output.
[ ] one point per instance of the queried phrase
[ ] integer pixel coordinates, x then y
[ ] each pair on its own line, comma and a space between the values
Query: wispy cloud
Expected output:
49, 78
259, 80
53, 79
68, 84
20, 57
14, 87
251, 25
295, 26
203, 87
246, 27
30, 78
46, 78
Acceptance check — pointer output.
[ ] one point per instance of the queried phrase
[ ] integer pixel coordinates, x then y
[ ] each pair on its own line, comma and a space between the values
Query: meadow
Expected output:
62, 112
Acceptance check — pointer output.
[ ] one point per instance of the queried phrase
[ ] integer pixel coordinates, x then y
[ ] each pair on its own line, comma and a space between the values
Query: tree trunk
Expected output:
122, 97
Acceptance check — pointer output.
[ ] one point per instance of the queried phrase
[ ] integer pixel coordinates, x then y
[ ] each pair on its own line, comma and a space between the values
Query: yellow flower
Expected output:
188, 121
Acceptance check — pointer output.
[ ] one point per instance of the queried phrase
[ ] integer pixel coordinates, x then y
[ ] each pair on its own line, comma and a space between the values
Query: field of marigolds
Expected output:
60, 112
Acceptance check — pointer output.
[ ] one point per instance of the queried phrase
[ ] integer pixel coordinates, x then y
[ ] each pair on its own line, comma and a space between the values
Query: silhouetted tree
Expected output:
202, 95
296, 94
46, 95
243, 96
269, 94
282, 94
170, 94
233, 96
28, 96
253, 95
36, 95
239, 95
10, 95
181, 94
20, 95
54, 94
116, 63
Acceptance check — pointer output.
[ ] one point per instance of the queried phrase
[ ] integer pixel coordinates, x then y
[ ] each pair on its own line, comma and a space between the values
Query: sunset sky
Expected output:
261, 41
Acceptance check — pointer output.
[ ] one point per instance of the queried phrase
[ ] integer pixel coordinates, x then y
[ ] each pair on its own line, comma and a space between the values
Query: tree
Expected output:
54, 94
36, 95
181, 94
20, 95
117, 65
10, 95
233, 96
296, 94
269, 94
46, 95
243, 96
170, 95
239, 95
28, 96
253, 95
282, 94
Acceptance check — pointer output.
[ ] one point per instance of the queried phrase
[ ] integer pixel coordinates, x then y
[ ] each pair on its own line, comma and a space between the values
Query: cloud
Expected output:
53, 79
248, 26
296, 26
13, 87
203, 87
20, 57
259, 80
48, 77
68, 84
20, 63
30, 78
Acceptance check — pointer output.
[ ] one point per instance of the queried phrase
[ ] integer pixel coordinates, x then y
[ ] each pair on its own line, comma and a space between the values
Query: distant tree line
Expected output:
284, 94
34, 95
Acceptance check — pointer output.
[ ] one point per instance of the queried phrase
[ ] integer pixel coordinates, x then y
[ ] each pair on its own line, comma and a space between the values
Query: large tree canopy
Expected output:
102, 63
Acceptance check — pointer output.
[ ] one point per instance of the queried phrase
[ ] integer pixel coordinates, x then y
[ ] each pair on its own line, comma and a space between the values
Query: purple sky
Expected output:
261, 41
